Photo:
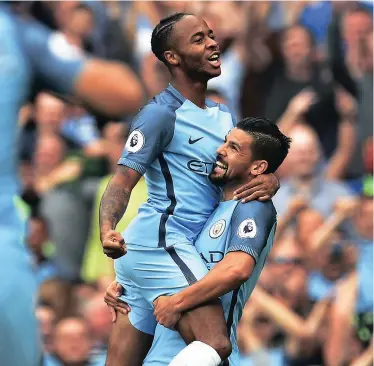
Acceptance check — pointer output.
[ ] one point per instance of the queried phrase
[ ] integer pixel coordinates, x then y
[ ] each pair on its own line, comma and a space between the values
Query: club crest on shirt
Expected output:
135, 141
217, 229
247, 229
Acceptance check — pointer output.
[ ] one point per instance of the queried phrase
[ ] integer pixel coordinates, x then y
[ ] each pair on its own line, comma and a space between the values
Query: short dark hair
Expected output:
161, 35
268, 144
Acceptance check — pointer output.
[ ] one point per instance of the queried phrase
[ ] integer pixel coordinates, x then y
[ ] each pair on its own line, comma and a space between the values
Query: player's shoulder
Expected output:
162, 106
167, 100
263, 210
157, 111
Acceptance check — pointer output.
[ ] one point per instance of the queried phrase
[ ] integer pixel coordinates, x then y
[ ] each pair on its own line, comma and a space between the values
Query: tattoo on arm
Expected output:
113, 204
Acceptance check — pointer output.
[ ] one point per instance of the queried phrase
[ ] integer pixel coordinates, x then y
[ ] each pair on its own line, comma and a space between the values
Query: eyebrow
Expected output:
201, 33
235, 144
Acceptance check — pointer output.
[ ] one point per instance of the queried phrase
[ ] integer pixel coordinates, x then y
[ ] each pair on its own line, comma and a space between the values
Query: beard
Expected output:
219, 180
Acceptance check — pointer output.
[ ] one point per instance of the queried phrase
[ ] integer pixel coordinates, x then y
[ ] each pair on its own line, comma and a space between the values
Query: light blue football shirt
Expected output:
174, 142
232, 227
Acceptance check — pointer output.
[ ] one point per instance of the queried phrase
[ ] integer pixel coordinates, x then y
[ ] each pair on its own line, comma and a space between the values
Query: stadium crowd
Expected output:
306, 65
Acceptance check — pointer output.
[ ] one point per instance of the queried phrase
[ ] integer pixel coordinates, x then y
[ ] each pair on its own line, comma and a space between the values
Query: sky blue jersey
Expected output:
174, 142
233, 227
26, 55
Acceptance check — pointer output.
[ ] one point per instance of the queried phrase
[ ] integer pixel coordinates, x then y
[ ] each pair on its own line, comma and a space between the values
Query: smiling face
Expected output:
194, 48
235, 161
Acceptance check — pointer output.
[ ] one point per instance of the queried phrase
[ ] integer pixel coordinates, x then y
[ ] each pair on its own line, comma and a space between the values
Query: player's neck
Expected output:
194, 91
228, 194
229, 189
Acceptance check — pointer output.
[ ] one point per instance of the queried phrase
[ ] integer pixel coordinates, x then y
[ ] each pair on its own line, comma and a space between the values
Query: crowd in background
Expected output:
306, 65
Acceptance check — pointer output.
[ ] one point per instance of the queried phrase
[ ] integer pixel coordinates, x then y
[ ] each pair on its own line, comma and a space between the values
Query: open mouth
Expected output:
220, 168
214, 59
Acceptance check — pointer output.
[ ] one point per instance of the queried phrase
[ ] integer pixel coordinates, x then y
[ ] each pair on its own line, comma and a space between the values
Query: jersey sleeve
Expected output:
251, 227
151, 131
55, 68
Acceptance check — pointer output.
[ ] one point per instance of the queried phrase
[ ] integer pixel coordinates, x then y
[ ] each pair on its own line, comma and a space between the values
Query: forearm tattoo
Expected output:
113, 204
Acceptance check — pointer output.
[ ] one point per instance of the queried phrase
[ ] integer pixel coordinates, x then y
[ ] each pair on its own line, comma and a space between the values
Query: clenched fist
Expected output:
113, 244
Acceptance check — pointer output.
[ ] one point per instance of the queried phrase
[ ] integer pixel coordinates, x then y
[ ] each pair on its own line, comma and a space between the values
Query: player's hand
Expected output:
261, 188
112, 294
165, 312
113, 244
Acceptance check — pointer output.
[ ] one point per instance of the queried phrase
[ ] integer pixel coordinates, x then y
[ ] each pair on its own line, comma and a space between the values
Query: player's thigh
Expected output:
166, 345
162, 271
20, 342
127, 345
205, 323
141, 315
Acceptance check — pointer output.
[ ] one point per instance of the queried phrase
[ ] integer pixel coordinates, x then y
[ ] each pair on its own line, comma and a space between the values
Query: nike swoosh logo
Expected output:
190, 141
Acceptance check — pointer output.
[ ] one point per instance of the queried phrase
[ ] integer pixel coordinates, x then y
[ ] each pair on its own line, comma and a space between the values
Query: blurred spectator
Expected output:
48, 115
305, 175
354, 299
37, 242
80, 130
72, 41
52, 169
351, 58
56, 182
110, 38
71, 344
82, 293
216, 96
99, 320
47, 321
349, 26
297, 88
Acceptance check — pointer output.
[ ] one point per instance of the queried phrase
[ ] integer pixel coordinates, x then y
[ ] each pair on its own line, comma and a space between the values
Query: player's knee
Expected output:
222, 345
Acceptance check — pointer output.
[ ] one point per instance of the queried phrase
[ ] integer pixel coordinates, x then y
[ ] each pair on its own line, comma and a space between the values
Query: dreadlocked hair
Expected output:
161, 35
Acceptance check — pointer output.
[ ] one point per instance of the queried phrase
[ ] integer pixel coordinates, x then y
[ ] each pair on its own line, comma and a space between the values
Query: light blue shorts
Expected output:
149, 272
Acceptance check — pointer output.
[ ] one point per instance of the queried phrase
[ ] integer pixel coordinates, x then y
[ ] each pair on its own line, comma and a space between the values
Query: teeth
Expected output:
213, 58
221, 165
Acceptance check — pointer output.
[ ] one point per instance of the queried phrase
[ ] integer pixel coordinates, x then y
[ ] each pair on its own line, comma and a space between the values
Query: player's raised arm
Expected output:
112, 207
107, 87
152, 129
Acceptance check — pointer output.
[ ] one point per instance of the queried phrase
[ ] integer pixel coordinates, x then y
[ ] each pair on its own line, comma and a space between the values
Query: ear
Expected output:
258, 167
172, 58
